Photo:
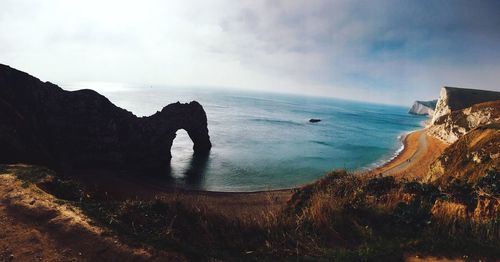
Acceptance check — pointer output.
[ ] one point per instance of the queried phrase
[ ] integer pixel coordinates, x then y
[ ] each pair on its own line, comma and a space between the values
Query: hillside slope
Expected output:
469, 158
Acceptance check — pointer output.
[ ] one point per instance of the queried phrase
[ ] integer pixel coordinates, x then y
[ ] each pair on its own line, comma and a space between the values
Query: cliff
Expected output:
460, 110
450, 127
44, 124
423, 107
453, 98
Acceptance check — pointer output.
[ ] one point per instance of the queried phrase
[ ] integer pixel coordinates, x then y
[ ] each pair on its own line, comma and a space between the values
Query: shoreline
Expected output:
135, 186
140, 187
385, 161
396, 157
420, 150
399, 153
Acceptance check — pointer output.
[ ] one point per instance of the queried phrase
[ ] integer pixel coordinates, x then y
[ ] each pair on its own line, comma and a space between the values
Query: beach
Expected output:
419, 150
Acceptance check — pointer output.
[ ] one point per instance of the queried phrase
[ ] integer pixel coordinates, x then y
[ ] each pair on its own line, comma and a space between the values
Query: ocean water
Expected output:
265, 141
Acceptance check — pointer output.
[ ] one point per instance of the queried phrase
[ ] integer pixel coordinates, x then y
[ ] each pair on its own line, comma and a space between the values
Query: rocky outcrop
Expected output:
460, 110
469, 158
467, 172
453, 99
423, 107
450, 127
44, 124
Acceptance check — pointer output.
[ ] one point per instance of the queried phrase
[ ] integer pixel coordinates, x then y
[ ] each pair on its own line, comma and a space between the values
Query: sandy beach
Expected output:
413, 161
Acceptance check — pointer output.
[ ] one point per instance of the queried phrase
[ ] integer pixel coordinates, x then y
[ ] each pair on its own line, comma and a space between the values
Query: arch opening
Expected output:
181, 152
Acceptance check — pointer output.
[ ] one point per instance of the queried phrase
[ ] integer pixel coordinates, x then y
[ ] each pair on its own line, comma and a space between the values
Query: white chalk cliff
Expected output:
460, 110
454, 98
423, 107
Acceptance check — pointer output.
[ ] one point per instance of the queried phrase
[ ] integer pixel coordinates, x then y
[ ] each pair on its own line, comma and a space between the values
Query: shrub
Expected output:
63, 189
380, 185
490, 183
428, 192
412, 214
461, 191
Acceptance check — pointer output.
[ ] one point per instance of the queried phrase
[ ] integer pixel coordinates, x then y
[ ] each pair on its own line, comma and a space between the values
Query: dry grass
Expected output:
340, 217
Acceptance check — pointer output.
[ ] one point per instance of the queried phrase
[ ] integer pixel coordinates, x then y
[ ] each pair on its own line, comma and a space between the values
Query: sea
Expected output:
264, 141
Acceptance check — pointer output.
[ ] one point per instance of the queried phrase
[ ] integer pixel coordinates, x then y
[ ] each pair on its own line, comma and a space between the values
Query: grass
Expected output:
339, 217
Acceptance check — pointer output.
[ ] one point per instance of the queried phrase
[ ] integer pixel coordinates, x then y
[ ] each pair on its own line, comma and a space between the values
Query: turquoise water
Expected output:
264, 141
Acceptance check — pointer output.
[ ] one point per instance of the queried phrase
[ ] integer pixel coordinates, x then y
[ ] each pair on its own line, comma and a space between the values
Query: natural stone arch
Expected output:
47, 125
189, 117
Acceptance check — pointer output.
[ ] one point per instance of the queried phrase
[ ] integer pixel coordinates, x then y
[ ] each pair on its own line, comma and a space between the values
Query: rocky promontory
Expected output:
460, 110
43, 124
454, 98
423, 107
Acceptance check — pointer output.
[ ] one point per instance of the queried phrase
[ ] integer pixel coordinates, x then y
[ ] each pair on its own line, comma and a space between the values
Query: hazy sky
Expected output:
383, 51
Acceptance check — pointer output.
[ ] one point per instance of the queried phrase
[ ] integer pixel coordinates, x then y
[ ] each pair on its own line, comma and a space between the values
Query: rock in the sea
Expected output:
44, 124
423, 107
314, 120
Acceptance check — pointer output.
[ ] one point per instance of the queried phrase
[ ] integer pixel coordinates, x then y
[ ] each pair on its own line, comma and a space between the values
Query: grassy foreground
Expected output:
340, 217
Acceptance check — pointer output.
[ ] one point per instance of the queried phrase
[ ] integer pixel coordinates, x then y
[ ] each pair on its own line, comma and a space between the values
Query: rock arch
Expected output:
190, 117
44, 124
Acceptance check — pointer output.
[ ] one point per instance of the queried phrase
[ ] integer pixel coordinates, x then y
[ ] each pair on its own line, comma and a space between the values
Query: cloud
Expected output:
384, 51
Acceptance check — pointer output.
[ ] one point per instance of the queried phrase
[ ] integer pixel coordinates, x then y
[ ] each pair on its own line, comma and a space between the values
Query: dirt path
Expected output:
34, 226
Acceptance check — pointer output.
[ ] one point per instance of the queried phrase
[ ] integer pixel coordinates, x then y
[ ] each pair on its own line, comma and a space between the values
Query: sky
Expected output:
387, 51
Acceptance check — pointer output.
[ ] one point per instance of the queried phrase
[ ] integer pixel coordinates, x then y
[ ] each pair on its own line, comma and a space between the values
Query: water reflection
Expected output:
186, 167
195, 173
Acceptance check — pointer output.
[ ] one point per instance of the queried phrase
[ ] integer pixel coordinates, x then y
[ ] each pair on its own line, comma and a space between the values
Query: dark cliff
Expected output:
43, 124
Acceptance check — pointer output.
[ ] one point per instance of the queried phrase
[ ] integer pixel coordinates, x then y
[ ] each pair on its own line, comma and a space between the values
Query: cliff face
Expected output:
423, 107
44, 124
452, 126
453, 98
460, 110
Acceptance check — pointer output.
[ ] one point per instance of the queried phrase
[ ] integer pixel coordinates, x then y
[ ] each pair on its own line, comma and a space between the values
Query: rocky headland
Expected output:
44, 124
460, 110
423, 107
454, 98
